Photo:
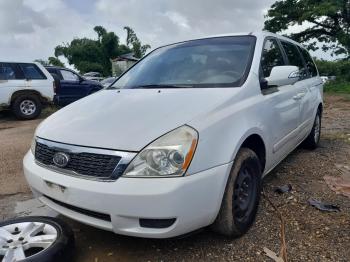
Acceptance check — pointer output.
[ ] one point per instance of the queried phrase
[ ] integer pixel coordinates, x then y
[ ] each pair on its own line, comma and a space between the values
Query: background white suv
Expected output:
25, 88
181, 140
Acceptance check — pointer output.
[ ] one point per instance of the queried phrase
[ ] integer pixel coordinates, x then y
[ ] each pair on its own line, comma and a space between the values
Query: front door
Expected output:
281, 104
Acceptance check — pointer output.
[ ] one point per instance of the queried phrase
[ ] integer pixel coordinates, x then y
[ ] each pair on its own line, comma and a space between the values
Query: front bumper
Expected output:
194, 201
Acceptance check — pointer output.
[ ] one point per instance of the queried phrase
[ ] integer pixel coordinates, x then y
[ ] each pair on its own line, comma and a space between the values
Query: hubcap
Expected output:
27, 107
22, 240
317, 128
244, 194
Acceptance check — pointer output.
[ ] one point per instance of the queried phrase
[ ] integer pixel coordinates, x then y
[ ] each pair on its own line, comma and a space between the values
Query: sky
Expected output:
31, 29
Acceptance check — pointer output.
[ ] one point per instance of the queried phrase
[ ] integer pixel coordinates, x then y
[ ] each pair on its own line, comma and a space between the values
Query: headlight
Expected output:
33, 145
168, 156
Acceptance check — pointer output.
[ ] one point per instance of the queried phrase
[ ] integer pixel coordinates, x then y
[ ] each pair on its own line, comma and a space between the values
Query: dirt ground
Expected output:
311, 235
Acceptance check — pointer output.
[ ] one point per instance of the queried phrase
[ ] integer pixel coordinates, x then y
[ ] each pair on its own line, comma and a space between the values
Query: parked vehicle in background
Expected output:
181, 140
108, 81
25, 88
70, 86
96, 76
325, 79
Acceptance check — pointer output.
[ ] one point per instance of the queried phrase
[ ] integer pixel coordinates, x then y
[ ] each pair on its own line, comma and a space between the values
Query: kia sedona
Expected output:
182, 140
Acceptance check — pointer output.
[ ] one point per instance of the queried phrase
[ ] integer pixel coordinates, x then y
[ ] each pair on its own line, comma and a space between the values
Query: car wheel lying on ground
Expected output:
35, 239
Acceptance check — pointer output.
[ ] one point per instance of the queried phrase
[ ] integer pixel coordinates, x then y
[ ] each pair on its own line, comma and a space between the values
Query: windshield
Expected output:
212, 62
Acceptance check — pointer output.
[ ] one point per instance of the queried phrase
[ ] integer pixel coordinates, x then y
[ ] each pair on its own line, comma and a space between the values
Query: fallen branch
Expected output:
283, 251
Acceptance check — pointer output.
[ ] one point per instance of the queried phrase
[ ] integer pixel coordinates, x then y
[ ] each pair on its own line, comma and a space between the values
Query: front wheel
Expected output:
241, 197
313, 139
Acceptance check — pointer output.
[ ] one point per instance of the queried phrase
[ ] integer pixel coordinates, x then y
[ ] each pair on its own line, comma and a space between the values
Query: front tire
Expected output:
27, 107
313, 139
241, 197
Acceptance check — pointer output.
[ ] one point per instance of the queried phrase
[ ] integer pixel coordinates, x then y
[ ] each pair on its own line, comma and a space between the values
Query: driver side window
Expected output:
68, 75
271, 56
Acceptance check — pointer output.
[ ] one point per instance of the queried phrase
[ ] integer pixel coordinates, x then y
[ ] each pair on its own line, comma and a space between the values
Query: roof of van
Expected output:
259, 34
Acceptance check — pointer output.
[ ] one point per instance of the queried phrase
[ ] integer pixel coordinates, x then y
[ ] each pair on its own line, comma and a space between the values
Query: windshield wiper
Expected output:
163, 86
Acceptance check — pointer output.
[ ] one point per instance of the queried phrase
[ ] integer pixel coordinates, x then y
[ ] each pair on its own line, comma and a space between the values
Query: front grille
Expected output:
86, 212
87, 164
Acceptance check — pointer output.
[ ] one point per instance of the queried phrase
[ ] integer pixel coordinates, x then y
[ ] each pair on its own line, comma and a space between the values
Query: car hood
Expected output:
129, 119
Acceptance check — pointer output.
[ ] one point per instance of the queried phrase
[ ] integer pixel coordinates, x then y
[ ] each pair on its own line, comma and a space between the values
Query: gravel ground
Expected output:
311, 235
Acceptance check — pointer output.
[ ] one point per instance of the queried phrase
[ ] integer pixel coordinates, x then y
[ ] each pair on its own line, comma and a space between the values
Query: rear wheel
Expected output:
241, 197
26, 106
313, 139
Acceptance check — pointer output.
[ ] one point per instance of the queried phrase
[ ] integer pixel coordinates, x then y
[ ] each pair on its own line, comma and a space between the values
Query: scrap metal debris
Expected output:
340, 184
283, 189
323, 206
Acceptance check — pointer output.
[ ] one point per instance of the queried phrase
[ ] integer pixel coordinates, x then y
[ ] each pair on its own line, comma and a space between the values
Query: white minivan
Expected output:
25, 88
181, 140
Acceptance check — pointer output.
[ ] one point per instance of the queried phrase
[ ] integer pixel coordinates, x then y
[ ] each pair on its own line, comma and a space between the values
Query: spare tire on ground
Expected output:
35, 239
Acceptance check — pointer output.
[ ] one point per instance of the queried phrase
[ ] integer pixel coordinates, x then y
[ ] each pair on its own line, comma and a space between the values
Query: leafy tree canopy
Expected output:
327, 21
53, 61
94, 55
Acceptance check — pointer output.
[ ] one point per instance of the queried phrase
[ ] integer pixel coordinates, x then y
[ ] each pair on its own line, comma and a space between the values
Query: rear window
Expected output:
31, 71
7, 71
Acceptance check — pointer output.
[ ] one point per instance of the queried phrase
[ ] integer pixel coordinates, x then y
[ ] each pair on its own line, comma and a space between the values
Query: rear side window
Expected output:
271, 56
7, 71
310, 65
31, 71
293, 55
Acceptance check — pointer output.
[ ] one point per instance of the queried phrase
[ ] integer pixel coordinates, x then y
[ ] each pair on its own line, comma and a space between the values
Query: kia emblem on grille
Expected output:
60, 159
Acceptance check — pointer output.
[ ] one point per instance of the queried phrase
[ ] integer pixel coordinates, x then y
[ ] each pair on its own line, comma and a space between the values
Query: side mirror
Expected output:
283, 75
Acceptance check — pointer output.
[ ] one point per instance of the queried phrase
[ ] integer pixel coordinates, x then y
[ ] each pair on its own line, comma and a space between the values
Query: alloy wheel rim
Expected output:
244, 195
22, 240
317, 129
27, 107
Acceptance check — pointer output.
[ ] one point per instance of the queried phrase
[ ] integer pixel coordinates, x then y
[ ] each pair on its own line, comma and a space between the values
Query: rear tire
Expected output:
26, 106
241, 197
313, 139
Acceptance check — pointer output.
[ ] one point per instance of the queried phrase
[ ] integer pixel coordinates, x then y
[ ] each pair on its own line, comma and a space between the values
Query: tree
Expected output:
53, 61
324, 21
134, 43
94, 55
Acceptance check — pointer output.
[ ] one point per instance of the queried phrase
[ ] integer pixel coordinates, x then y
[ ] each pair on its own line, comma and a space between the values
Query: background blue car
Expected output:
70, 86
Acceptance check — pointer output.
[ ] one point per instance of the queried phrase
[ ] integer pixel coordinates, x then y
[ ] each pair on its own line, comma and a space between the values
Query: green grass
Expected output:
337, 87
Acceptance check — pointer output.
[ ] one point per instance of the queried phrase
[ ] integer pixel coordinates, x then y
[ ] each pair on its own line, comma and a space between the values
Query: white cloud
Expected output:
31, 29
